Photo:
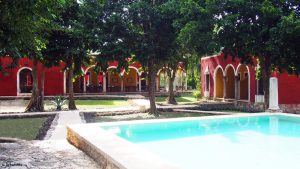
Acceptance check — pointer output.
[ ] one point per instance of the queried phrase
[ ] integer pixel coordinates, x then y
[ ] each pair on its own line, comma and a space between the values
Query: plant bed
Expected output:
32, 127
99, 117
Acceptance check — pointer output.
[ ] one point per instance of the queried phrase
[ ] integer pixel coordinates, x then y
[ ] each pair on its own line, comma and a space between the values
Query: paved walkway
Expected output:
59, 132
43, 155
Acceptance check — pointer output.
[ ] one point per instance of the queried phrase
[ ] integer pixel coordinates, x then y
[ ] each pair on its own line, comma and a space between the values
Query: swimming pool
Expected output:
257, 141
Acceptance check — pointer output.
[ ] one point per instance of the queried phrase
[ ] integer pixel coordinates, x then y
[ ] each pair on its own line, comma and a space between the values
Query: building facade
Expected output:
18, 81
228, 79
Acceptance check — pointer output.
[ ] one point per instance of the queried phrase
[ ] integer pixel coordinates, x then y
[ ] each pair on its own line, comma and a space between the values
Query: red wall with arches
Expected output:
288, 86
219, 61
54, 76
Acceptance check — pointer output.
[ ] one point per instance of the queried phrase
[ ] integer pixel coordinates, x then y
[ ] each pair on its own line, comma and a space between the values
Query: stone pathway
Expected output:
59, 132
43, 155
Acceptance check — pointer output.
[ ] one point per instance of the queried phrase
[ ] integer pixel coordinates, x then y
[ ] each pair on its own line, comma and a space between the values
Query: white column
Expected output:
157, 83
181, 80
122, 84
104, 82
165, 81
224, 87
140, 83
273, 96
84, 84
186, 81
236, 87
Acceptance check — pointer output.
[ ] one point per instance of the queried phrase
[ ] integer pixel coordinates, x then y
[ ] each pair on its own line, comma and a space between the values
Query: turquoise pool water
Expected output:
259, 142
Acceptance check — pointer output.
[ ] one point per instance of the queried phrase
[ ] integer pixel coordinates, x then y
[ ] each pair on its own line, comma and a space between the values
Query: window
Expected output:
206, 82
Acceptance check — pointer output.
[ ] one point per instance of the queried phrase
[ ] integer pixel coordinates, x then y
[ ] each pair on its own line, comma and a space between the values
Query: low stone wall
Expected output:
259, 107
290, 108
249, 107
209, 106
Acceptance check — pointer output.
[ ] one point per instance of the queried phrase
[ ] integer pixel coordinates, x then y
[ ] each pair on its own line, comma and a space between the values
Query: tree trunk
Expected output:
71, 105
34, 103
171, 98
266, 74
42, 93
152, 82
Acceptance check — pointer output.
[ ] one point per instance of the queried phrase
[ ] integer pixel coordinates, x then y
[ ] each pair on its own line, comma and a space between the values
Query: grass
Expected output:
145, 116
25, 128
183, 99
101, 103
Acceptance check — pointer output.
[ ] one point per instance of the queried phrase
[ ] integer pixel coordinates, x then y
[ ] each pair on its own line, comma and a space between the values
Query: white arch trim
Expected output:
158, 72
227, 67
18, 78
215, 76
88, 68
236, 74
132, 67
206, 70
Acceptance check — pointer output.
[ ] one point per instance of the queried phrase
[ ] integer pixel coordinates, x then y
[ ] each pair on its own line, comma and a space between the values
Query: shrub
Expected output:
59, 101
197, 94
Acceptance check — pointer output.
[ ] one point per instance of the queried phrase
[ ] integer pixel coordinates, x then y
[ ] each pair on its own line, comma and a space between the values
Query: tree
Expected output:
67, 43
256, 29
106, 29
43, 12
16, 23
154, 34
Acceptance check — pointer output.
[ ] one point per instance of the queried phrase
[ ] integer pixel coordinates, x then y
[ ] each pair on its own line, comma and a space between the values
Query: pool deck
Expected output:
112, 151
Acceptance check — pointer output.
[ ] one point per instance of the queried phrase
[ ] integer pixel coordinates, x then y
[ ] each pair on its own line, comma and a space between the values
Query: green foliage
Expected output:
197, 94
197, 26
58, 102
67, 41
268, 30
23, 26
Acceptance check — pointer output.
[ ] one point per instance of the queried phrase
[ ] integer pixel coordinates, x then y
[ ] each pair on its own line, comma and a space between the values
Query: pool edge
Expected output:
122, 156
113, 152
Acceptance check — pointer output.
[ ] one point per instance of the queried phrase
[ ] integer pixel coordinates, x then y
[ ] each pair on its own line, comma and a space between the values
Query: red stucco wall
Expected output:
54, 81
54, 77
288, 86
288, 89
8, 83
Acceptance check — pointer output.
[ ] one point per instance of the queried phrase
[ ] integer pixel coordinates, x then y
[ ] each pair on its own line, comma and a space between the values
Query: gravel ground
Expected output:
43, 155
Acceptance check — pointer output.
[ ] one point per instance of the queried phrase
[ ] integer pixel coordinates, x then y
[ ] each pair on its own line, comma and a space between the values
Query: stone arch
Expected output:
113, 80
243, 74
130, 79
132, 67
93, 80
219, 82
230, 81
24, 80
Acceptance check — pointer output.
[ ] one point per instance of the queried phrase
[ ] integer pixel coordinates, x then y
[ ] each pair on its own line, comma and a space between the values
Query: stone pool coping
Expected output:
113, 152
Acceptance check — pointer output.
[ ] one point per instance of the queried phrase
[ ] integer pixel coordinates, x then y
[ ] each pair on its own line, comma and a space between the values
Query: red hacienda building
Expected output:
18, 81
225, 79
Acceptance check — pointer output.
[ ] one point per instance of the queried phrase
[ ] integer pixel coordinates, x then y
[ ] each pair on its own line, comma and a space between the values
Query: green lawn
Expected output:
183, 99
101, 103
25, 128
